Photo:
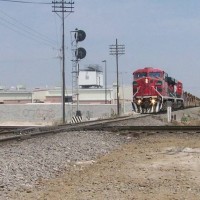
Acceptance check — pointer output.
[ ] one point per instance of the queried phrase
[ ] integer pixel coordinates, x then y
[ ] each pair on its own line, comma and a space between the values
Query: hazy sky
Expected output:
158, 33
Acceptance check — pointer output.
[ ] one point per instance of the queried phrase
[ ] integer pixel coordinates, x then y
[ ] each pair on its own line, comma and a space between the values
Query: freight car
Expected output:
154, 90
190, 100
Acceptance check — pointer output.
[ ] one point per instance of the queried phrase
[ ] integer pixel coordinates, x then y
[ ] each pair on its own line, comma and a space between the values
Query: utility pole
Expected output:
63, 7
117, 50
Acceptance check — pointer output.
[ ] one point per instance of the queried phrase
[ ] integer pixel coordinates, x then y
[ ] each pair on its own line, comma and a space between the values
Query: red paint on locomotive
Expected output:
153, 89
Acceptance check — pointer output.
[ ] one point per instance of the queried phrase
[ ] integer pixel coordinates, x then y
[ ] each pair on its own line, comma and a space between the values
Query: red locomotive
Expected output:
153, 89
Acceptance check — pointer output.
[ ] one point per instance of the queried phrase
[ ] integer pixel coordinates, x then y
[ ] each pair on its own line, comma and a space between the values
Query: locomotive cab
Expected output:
147, 88
152, 88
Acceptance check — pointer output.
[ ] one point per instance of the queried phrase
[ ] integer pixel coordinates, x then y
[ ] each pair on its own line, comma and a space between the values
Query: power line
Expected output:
21, 28
27, 36
23, 32
26, 29
25, 2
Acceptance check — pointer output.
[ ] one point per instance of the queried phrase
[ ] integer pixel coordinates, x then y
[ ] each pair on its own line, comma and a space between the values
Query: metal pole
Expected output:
117, 78
123, 93
63, 61
105, 80
169, 111
77, 79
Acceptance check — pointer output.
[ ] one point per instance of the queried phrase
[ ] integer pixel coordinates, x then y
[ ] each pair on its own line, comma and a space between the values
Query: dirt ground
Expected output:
156, 167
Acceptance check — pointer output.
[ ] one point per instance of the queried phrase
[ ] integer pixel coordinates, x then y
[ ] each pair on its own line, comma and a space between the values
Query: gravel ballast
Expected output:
23, 163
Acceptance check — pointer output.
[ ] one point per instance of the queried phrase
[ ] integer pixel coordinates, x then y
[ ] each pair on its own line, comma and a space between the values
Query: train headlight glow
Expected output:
139, 101
153, 101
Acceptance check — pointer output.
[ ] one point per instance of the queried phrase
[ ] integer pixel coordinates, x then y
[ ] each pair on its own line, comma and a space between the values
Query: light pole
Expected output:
105, 81
123, 91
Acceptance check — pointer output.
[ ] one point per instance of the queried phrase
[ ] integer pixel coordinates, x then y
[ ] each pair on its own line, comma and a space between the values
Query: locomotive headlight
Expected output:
146, 80
139, 101
153, 101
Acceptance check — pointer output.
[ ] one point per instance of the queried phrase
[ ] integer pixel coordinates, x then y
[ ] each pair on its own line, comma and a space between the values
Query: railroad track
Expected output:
22, 133
16, 133
184, 129
11, 132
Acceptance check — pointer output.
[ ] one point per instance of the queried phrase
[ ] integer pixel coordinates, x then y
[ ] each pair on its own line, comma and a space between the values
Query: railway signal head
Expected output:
80, 53
80, 35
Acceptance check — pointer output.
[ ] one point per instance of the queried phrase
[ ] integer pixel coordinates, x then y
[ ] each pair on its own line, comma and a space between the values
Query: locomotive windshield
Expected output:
154, 74
140, 75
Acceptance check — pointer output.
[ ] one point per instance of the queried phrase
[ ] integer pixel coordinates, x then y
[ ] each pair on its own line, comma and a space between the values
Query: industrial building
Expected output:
18, 95
91, 90
86, 96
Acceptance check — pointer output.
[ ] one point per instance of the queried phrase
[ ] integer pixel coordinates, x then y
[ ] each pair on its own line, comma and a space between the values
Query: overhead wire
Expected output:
35, 34
27, 29
27, 36
27, 2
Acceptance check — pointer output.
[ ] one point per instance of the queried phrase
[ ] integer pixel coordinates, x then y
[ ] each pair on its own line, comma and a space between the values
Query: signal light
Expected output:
80, 52
80, 35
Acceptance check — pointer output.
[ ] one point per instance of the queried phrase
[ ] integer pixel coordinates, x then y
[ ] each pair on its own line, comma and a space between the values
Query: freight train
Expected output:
154, 90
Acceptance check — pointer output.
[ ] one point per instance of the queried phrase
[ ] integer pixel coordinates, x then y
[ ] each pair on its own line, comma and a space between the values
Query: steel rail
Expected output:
29, 132
97, 125
142, 128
